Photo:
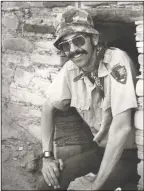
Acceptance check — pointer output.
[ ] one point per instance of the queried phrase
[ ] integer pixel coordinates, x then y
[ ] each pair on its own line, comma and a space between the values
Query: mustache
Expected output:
72, 54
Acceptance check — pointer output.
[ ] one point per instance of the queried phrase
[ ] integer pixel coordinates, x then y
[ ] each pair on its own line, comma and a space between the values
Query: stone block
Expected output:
25, 61
45, 44
22, 78
35, 131
140, 155
140, 59
46, 60
18, 44
22, 111
138, 119
139, 44
139, 22
140, 167
8, 130
43, 73
139, 87
139, 140
14, 5
51, 4
39, 85
23, 95
11, 60
141, 181
7, 75
5, 90
43, 29
140, 50
139, 28
139, 36
10, 22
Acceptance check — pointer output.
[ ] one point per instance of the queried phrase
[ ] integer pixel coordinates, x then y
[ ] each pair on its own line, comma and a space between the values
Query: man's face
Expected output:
79, 48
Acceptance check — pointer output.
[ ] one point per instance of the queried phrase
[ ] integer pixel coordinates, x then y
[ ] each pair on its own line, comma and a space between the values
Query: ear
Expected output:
95, 39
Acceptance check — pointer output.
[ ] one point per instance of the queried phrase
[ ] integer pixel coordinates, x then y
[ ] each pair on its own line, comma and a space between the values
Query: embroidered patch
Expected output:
119, 73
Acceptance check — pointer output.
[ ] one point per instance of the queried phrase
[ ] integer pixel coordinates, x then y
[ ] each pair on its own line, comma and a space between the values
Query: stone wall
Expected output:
29, 61
139, 111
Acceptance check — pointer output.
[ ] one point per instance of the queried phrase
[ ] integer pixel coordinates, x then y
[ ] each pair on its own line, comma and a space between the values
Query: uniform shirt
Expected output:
83, 95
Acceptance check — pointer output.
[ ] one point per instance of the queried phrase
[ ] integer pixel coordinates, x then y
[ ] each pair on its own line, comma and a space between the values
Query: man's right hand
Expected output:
51, 171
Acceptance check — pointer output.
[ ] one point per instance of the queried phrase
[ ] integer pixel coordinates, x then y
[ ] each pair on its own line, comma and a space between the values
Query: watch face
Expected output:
47, 154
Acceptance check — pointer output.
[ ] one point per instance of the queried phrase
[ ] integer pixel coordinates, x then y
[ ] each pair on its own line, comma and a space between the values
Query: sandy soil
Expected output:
18, 150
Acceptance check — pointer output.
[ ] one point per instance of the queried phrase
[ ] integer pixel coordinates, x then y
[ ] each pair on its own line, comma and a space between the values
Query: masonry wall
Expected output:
29, 62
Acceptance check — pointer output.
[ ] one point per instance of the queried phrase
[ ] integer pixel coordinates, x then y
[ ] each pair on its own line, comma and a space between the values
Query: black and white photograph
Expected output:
72, 95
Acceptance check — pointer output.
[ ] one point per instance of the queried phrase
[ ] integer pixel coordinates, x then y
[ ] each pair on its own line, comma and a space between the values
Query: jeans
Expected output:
89, 161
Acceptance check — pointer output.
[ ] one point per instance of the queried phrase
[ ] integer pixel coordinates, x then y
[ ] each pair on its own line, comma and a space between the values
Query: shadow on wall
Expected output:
120, 35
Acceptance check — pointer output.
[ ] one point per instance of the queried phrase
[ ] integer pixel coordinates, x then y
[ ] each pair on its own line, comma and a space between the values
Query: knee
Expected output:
42, 185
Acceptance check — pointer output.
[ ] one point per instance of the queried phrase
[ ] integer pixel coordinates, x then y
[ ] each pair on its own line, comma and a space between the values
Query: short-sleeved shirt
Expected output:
96, 111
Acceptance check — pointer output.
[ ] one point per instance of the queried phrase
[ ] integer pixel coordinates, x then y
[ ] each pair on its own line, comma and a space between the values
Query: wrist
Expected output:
49, 159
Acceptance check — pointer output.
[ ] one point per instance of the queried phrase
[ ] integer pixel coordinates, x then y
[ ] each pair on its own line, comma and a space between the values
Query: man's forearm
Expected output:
113, 151
47, 126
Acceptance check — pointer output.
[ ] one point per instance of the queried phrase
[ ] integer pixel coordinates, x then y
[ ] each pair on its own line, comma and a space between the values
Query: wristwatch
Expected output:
47, 154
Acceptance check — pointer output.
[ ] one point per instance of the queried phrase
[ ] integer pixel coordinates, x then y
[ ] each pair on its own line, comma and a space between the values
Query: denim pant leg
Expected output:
76, 166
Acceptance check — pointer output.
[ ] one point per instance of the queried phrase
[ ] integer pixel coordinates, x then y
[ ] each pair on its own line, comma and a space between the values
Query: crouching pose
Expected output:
99, 83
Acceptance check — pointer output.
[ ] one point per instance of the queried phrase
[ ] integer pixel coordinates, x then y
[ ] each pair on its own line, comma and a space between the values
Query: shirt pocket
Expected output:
80, 105
106, 103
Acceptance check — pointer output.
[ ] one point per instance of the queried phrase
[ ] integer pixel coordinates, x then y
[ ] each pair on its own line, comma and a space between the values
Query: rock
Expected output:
15, 154
23, 153
18, 44
28, 143
35, 130
22, 94
14, 158
22, 78
10, 22
23, 165
138, 119
20, 148
139, 87
5, 156
30, 162
31, 166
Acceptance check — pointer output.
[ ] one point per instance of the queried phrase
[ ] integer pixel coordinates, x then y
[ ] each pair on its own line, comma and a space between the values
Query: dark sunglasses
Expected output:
77, 41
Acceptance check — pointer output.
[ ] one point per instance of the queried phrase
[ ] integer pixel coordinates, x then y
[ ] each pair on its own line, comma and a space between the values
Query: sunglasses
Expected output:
77, 41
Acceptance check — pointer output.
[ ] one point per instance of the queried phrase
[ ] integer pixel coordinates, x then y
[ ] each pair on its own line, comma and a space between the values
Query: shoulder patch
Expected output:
119, 73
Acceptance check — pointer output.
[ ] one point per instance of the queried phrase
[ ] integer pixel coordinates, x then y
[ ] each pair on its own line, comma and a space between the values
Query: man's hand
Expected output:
51, 171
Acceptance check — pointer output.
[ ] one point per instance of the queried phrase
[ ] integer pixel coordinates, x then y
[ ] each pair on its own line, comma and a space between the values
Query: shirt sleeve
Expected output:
123, 95
58, 93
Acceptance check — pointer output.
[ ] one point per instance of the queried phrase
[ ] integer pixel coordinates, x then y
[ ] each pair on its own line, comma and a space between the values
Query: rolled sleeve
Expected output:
123, 96
58, 93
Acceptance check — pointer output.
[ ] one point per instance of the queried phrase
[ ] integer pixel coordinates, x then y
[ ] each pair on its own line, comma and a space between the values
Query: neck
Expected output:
91, 66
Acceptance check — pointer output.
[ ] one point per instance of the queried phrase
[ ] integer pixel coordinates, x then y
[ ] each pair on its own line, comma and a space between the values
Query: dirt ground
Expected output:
17, 174
18, 150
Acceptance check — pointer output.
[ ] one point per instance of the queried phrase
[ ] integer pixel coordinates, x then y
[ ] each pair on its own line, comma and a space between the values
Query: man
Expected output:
98, 82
